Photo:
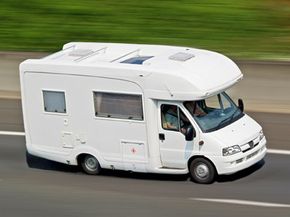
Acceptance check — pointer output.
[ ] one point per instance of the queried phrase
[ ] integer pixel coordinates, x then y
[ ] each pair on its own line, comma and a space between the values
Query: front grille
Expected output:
253, 154
252, 145
239, 160
244, 159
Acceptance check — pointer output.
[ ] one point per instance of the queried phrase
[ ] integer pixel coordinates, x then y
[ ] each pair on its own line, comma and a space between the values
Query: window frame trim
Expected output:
174, 130
179, 109
121, 93
65, 101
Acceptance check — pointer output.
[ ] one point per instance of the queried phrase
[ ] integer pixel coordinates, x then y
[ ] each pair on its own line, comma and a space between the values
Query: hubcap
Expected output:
201, 171
91, 163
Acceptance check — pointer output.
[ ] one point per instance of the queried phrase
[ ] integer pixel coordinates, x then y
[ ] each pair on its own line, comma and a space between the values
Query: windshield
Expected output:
214, 112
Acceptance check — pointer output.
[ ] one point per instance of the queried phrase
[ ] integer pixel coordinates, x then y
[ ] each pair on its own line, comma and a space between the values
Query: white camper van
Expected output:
143, 108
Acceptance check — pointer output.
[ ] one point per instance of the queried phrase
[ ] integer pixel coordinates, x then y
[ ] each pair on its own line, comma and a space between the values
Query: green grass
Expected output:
258, 29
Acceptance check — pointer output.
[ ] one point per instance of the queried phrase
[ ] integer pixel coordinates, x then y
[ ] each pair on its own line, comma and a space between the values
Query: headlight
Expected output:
231, 150
261, 135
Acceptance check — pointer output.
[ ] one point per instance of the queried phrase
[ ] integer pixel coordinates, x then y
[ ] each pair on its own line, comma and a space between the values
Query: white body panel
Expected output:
130, 144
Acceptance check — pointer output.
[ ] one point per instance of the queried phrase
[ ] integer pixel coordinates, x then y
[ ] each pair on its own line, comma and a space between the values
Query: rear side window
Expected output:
54, 101
122, 106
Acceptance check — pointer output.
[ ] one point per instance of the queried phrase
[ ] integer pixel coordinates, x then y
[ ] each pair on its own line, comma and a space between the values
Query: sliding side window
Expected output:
115, 105
54, 101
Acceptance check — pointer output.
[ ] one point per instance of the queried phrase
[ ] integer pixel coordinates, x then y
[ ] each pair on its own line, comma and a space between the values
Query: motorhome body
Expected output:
105, 105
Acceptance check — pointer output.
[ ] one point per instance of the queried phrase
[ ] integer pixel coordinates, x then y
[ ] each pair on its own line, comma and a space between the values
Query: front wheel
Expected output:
90, 165
202, 171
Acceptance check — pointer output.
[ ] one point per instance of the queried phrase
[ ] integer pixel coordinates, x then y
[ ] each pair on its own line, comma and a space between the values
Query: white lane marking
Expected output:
12, 133
242, 202
278, 151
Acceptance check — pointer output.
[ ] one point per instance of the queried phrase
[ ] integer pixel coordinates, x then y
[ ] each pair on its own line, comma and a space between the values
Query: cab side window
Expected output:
172, 118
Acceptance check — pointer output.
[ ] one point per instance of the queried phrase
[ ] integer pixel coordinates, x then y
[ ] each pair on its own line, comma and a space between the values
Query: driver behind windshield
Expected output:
195, 108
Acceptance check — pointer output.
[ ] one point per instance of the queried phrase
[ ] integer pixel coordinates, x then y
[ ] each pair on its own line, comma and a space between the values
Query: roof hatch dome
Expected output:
181, 56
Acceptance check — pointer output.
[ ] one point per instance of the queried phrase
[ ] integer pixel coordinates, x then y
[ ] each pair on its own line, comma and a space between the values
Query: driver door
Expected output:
174, 149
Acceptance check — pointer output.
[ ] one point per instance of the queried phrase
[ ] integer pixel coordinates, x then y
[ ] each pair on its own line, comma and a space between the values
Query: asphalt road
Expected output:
45, 188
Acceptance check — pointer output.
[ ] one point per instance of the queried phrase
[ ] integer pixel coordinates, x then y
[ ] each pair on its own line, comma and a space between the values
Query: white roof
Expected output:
181, 72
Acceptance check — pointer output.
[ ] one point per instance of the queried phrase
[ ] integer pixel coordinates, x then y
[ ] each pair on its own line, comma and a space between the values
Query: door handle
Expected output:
161, 136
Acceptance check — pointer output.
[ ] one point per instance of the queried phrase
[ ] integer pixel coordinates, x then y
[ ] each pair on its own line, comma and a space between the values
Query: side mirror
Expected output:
241, 105
190, 133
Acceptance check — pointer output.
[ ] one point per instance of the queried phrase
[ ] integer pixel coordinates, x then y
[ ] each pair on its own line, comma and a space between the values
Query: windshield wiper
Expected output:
229, 119
232, 116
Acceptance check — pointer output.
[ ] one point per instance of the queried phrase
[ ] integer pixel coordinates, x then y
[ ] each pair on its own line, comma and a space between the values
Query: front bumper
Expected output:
240, 161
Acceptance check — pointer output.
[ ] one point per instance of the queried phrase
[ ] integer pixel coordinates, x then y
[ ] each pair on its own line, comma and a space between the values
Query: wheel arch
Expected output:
79, 152
200, 156
82, 155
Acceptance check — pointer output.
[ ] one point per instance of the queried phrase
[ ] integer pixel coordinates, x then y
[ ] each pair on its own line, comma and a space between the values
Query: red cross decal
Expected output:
133, 150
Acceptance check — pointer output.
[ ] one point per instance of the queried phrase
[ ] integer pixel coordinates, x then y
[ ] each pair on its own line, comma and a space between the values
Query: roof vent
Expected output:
180, 56
137, 60
80, 52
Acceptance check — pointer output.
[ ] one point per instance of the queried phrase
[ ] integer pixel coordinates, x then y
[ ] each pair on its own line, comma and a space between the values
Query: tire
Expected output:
202, 171
30, 159
90, 165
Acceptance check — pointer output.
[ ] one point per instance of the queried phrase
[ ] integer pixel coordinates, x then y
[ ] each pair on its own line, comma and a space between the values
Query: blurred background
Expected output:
255, 33
246, 29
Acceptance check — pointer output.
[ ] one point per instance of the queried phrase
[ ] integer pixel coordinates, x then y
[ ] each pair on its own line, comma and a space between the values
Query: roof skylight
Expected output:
137, 60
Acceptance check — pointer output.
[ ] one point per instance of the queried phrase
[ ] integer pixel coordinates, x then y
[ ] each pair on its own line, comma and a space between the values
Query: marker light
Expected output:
261, 135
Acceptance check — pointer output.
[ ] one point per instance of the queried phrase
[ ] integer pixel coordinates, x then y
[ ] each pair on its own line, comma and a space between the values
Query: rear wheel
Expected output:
202, 171
90, 165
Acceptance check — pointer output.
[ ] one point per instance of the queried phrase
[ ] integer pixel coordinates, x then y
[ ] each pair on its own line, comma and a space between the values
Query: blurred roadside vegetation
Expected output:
248, 29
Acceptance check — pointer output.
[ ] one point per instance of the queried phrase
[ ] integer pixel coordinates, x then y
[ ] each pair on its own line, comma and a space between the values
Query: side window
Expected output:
169, 117
54, 101
122, 106
225, 102
218, 102
213, 102
172, 118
